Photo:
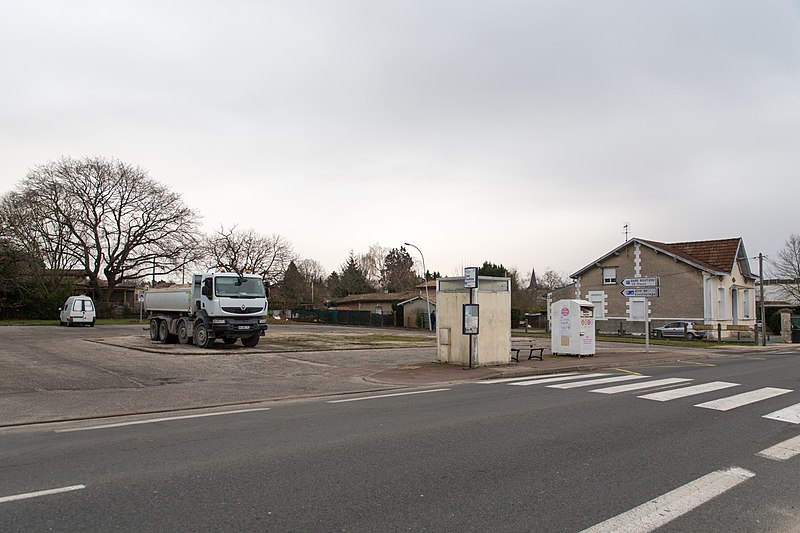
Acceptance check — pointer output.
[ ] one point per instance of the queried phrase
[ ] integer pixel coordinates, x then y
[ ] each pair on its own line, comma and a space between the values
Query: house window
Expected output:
637, 309
598, 298
609, 276
747, 303
721, 314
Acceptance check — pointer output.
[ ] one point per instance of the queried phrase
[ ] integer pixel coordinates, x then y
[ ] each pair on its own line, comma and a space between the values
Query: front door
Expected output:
734, 305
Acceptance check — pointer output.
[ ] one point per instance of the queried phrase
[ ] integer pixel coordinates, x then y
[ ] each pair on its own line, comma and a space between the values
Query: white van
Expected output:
78, 310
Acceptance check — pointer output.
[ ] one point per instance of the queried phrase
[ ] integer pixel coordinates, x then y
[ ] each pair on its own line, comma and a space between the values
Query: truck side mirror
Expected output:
206, 290
266, 289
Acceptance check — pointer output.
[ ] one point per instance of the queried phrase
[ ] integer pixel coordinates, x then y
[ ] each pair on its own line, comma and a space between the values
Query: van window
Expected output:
78, 305
88, 306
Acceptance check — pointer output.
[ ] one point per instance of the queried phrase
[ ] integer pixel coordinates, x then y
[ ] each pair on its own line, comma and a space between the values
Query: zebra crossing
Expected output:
669, 389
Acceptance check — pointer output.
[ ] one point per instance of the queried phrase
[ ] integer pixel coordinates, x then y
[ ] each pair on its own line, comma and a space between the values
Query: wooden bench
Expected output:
522, 345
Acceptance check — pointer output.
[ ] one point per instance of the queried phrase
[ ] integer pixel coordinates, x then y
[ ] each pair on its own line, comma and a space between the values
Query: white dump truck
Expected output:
217, 305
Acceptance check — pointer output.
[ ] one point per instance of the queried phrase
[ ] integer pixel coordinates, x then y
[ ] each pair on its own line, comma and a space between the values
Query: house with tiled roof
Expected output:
415, 309
707, 282
411, 306
375, 302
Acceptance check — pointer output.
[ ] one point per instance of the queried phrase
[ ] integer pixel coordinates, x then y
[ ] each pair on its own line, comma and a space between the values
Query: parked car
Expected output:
677, 329
78, 310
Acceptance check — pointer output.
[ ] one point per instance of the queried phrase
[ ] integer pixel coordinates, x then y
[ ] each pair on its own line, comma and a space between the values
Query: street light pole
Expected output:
427, 298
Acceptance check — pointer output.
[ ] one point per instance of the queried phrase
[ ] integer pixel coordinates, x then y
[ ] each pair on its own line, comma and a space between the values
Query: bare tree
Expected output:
312, 270
113, 220
42, 241
551, 280
240, 250
315, 275
786, 267
373, 265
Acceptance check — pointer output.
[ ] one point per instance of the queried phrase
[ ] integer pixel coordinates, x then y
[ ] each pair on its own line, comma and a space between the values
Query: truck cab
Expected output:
230, 306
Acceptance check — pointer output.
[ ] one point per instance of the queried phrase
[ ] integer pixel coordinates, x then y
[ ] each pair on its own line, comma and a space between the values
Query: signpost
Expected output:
642, 287
640, 282
470, 316
641, 292
471, 277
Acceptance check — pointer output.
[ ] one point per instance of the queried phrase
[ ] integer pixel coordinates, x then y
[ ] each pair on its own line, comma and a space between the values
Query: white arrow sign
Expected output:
640, 282
647, 292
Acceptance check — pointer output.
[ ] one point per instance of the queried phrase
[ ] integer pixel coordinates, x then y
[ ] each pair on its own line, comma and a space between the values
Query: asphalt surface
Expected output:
54, 374
462, 457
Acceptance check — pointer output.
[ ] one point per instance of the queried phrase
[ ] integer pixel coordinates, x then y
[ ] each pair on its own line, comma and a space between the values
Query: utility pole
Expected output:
763, 314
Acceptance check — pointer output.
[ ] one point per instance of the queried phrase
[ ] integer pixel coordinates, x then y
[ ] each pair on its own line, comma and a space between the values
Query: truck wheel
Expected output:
153, 329
201, 339
229, 340
251, 341
163, 332
183, 333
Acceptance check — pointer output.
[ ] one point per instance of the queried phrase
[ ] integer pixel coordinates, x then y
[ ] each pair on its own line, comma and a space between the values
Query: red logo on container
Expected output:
564, 311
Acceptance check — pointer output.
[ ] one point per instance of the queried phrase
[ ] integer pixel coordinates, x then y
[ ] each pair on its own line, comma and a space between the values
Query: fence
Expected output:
346, 317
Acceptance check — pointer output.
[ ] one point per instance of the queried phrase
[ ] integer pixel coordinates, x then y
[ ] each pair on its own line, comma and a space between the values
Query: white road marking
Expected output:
783, 450
790, 414
557, 378
639, 386
663, 509
165, 419
525, 378
591, 382
745, 398
36, 494
665, 396
386, 396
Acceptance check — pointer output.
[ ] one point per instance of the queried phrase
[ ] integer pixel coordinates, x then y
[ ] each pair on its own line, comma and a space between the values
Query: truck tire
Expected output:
201, 338
183, 333
153, 329
251, 341
163, 332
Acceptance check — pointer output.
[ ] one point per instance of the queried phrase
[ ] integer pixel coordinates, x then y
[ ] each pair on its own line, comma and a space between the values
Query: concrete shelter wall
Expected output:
494, 337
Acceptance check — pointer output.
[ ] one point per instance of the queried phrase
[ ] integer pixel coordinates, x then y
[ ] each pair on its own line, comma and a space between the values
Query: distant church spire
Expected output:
533, 283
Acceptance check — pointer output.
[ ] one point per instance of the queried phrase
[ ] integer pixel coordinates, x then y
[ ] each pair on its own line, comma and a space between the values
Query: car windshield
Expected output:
235, 287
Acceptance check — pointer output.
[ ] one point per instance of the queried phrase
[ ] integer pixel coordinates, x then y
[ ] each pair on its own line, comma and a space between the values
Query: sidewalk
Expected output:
609, 355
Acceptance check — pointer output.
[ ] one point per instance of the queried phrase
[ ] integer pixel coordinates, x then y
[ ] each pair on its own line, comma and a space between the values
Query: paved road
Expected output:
560, 455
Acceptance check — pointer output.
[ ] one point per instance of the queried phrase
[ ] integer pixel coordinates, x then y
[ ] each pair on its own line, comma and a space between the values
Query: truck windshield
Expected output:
235, 287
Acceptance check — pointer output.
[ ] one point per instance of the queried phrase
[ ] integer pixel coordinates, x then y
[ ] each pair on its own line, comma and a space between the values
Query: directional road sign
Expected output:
640, 282
647, 292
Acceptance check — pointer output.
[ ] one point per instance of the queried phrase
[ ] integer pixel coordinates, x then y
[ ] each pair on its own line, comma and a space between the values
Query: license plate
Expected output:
243, 327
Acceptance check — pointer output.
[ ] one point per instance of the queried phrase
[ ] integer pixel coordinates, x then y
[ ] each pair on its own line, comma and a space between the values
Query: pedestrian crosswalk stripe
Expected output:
665, 508
783, 450
790, 414
591, 382
525, 378
638, 386
665, 396
745, 398
557, 378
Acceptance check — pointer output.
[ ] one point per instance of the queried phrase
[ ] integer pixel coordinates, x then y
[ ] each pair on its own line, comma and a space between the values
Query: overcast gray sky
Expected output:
520, 132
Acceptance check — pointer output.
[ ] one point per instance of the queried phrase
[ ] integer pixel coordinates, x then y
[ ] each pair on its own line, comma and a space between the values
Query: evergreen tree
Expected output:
352, 280
490, 269
293, 287
432, 276
399, 268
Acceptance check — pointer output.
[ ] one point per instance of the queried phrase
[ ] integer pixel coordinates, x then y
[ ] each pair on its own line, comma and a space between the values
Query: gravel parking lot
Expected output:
53, 373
